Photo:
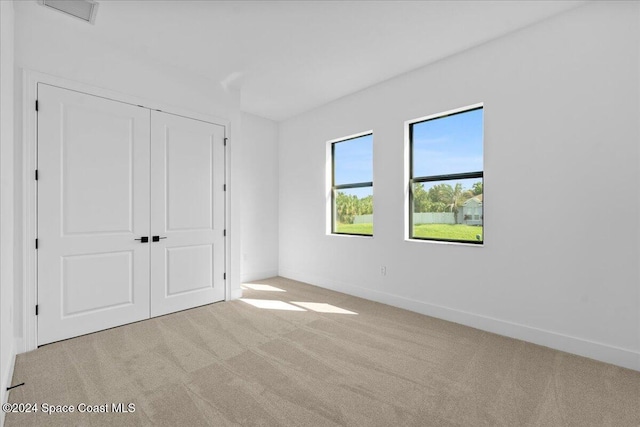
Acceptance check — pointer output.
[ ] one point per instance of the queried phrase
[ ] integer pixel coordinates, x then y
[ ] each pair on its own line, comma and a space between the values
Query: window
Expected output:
446, 177
352, 186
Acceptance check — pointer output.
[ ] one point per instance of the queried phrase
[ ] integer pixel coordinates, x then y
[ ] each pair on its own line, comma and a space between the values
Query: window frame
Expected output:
446, 177
333, 188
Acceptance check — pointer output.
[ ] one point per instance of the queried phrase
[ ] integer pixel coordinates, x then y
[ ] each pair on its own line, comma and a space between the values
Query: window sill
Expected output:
444, 242
366, 236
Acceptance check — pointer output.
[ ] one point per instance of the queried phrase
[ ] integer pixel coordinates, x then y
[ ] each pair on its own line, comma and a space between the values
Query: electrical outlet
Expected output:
383, 270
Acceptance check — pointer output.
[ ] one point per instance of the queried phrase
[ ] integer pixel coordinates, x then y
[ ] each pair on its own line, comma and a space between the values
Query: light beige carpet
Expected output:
297, 364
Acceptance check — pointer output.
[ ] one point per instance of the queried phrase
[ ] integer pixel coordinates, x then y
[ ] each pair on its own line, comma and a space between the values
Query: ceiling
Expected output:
287, 57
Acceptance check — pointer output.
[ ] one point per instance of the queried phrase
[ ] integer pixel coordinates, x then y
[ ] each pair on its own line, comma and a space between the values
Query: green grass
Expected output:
447, 231
365, 228
428, 231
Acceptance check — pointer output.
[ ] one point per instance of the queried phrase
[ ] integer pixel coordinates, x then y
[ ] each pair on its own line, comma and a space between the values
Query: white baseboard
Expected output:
6, 382
259, 275
236, 294
594, 350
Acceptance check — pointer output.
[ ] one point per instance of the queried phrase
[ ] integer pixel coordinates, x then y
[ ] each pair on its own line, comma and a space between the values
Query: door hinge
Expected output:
224, 276
36, 174
224, 187
36, 105
224, 233
36, 243
225, 141
36, 309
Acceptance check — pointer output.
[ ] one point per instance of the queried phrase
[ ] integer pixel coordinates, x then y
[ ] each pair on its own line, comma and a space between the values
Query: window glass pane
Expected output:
353, 160
448, 210
354, 211
446, 145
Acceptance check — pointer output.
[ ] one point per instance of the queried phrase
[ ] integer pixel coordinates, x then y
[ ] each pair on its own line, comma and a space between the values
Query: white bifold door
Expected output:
130, 213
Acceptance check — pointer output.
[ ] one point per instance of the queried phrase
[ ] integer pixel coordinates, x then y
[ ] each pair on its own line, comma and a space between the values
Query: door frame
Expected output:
30, 80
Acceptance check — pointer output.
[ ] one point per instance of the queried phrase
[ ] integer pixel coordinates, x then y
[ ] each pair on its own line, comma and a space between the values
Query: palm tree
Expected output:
456, 200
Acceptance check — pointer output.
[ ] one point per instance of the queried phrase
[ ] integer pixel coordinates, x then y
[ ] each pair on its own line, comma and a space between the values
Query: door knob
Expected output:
143, 239
157, 238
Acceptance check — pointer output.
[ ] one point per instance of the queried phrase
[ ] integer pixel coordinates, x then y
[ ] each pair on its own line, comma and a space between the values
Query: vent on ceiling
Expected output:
83, 9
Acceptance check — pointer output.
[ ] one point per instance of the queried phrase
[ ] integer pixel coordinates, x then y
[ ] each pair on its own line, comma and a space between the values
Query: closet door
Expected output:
93, 203
187, 213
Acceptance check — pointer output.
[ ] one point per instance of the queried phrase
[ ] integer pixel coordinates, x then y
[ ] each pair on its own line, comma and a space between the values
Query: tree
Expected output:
345, 207
440, 196
443, 197
455, 193
365, 205
349, 206
456, 201
421, 201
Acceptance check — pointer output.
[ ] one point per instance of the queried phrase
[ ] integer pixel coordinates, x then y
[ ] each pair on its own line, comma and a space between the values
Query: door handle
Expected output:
143, 239
157, 238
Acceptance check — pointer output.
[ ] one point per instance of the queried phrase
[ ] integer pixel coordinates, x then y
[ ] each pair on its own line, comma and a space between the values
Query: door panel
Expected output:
187, 211
106, 291
189, 168
88, 163
93, 201
189, 269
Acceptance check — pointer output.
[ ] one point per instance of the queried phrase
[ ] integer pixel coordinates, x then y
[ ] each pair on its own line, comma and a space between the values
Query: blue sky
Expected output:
447, 145
441, 146
353, 160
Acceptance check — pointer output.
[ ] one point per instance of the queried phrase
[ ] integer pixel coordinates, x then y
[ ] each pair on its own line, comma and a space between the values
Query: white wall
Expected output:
7, 349
259, 198
561, 113
55, 44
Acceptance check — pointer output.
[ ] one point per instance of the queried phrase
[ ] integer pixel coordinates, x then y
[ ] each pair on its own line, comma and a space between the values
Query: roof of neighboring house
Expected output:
477, 199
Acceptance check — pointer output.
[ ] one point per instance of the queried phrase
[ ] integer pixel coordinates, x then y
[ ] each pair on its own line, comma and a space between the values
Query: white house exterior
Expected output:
472, 211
